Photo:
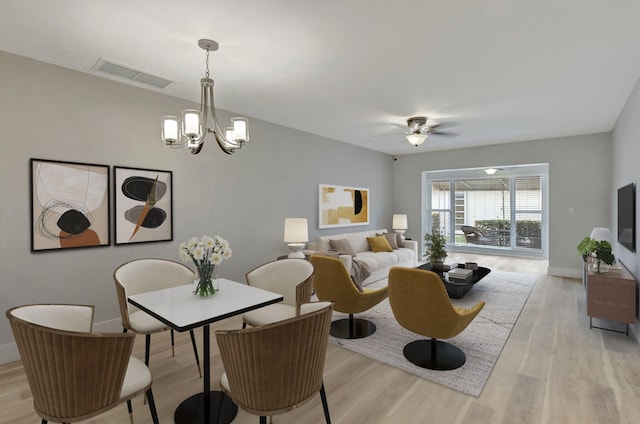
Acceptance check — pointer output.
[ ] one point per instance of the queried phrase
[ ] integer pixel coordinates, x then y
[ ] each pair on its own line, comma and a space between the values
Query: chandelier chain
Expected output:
207, 73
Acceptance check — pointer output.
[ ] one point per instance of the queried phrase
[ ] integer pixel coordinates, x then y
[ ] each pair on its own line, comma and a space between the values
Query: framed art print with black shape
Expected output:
143, 205
69, 205
340, 206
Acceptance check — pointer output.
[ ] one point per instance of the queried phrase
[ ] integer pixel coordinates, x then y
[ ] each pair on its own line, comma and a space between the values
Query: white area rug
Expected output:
505, 294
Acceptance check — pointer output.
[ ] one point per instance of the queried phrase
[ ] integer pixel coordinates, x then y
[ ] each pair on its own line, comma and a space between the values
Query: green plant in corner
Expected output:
598, 251
436, 244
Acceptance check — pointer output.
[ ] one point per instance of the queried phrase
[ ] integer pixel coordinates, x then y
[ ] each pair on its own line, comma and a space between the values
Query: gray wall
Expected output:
626, 152
50, 112
579, 186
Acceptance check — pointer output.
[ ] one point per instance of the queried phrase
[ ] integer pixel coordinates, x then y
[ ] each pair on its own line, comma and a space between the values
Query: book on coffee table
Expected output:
460, 274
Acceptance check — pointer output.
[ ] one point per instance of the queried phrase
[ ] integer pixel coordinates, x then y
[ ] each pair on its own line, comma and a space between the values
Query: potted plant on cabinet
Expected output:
597, 254
436, 244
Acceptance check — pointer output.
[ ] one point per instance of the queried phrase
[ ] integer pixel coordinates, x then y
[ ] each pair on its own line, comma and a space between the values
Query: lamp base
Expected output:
296, 250
401, 232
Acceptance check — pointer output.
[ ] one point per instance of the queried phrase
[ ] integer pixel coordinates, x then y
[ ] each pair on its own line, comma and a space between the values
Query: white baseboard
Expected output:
564, 272
9, 352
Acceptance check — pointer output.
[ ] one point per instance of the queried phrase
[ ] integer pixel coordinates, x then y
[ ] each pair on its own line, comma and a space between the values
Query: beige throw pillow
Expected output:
342, 246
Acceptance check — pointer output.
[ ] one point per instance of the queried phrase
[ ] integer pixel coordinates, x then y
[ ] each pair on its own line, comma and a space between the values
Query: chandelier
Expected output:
191, 130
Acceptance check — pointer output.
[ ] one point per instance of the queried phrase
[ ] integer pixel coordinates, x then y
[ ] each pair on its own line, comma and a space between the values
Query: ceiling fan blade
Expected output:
443, 133
447, 124
389, 134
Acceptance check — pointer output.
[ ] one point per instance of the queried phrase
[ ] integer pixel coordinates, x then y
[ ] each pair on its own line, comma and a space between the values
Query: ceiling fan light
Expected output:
491, 171
416, 139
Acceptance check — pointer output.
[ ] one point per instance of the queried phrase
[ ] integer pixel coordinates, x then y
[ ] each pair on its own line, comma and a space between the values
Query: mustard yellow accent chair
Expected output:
275, 368
332, 283
420, 304
73, 373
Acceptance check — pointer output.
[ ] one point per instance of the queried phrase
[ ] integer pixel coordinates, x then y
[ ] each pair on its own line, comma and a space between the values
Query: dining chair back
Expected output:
292, 278
73, 373
142, 276
277, 367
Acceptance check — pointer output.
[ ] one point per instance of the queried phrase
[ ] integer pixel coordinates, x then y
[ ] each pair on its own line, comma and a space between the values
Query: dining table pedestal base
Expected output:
222, 409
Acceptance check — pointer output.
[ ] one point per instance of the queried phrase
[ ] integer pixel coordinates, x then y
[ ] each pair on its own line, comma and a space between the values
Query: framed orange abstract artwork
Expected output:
342, 206
69, 205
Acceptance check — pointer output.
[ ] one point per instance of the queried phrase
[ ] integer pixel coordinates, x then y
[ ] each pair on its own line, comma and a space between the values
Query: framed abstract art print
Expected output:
342, 206
69, 205
143, 205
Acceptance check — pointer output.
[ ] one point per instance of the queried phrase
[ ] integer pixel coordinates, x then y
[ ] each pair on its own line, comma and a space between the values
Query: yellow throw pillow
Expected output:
379, 244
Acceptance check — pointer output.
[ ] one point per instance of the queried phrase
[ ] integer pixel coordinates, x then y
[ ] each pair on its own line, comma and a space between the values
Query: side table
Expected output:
612, 296
306, 257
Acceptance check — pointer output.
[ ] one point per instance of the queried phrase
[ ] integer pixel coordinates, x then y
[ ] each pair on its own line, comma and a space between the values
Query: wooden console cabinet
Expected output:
611, 295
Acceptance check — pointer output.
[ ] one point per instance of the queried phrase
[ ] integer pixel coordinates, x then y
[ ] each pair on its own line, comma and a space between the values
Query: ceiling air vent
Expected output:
125, 72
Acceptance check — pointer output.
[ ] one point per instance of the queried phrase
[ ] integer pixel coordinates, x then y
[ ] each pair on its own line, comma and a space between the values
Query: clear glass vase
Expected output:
597, 266
205, 282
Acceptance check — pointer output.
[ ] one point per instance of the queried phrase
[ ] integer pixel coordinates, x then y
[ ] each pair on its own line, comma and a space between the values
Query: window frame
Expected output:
507, 172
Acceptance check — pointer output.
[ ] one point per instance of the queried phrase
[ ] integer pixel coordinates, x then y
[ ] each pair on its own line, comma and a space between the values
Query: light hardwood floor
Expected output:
553, 369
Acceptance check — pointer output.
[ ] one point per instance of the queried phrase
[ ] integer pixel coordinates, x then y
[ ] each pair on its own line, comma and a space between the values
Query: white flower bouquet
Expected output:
206, 253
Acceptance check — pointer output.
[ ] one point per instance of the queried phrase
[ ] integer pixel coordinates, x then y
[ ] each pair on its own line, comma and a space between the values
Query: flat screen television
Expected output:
627, 216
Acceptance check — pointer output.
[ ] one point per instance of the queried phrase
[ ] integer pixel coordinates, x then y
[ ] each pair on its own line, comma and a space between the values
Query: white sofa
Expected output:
379, 262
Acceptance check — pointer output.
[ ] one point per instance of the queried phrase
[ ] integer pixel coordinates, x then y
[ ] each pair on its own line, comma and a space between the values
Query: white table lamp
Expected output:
602, 233
296, 234
399, 223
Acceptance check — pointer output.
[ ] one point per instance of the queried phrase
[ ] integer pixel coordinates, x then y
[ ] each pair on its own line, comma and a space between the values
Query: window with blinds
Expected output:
503, 212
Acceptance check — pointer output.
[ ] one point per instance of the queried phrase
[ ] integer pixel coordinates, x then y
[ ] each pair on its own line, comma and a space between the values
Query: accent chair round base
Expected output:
343, 330
444, 357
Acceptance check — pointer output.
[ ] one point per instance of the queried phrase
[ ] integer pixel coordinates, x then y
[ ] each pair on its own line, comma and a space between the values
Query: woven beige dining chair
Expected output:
275, 368
292, 278
145, 275
75, 374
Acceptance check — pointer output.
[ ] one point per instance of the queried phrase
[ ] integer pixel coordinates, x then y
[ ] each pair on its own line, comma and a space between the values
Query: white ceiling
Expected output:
500, 70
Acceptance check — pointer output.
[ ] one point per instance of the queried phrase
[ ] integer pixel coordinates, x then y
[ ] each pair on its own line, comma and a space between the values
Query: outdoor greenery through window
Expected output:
503, 211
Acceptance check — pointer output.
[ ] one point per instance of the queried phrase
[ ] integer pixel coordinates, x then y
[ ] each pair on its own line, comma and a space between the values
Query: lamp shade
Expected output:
601, 233
399, 222
295, 230
170, 129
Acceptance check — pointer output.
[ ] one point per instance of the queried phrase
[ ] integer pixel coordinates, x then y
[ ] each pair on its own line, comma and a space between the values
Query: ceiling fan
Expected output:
419, 130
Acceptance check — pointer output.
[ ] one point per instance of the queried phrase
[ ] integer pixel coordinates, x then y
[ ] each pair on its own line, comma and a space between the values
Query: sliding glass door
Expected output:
503, 212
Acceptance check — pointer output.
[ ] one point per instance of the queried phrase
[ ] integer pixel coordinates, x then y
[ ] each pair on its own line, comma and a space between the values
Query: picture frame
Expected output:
69, 205
342, 206
143, 205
